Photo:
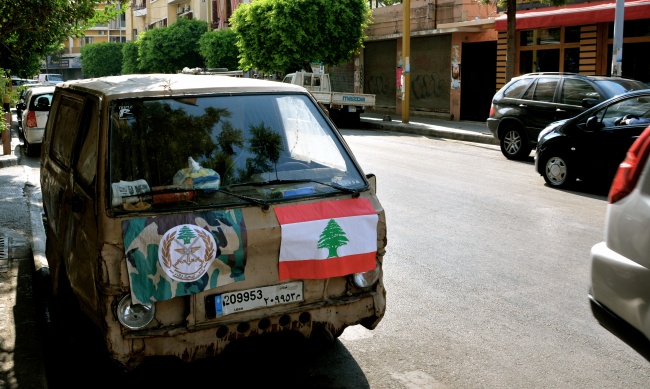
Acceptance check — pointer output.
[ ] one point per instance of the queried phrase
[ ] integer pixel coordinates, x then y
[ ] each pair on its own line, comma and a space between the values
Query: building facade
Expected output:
457, 52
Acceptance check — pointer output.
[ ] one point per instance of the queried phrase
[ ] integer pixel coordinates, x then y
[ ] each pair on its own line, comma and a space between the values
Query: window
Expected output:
67, 122
517, 88
574, 91
87, 40
543, 91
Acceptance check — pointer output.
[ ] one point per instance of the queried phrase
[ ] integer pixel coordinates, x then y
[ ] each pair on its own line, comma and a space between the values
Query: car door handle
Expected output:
560, 110
523, 105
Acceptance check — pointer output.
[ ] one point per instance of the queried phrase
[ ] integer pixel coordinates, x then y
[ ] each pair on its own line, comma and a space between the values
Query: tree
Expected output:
101, 59
219, 48
286, 35
30, 29
168, 49
511, 10
130, 58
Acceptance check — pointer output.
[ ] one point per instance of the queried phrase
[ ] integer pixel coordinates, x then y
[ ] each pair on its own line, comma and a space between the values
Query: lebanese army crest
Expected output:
186, 252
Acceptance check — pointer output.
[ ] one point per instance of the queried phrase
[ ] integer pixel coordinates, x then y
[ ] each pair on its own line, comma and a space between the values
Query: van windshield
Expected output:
224, 151
54, 77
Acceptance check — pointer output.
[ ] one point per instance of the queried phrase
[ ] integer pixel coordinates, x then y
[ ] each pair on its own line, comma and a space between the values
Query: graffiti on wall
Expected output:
425, 86
378, 84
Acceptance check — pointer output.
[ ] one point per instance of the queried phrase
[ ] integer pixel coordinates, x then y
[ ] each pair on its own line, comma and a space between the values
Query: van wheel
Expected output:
557, 171
514, 143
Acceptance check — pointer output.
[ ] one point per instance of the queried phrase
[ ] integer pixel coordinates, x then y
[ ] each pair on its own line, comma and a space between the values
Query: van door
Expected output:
82, 259
67, 180
56, 160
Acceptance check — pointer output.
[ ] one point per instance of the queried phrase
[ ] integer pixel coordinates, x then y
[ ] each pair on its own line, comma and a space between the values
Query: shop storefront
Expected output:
578, 38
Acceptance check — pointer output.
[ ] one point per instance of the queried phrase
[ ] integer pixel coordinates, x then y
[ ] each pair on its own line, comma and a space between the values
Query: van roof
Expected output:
174, 85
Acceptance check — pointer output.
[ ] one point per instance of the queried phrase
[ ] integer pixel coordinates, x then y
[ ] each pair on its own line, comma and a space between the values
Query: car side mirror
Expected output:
593, 124
21, 106
588, 103
372, 180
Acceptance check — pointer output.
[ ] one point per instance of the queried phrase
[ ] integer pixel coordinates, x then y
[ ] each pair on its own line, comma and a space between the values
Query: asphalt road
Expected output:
486, 274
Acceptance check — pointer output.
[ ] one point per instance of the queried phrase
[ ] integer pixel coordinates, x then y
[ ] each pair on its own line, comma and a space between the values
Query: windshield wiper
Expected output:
305, 180
265, 206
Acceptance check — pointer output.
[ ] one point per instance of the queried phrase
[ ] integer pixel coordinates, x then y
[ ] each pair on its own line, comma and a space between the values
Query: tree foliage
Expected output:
168, 49
30, 29
130, 58
286, 35
219, 48
101, 59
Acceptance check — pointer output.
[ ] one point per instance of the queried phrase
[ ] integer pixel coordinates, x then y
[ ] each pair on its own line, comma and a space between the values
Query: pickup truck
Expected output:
341, 106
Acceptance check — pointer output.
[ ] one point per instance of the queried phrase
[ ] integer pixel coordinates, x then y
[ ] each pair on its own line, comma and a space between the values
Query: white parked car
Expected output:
620, 266
35, 111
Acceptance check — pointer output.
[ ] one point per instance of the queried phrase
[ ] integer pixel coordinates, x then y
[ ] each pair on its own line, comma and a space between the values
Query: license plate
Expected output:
266, 296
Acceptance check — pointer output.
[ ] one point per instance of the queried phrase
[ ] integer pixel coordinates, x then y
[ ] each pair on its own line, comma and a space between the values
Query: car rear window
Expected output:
617, 87
40, 102
518, 87
544, 90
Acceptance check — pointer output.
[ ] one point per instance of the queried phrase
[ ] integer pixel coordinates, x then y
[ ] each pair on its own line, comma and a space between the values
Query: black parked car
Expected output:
528, 103
591, 145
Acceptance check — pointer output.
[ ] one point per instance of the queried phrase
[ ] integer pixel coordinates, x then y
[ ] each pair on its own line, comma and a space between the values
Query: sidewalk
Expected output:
458, 130
21, 357
22, 245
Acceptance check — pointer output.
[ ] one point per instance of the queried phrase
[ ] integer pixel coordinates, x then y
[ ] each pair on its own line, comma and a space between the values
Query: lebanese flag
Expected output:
327, 239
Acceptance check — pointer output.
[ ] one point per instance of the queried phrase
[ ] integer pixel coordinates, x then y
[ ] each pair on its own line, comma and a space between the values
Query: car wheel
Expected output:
31, 150
557, 171
514, 143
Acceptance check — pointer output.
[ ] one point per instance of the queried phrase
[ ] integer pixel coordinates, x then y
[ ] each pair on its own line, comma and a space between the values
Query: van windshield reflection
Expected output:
211, 151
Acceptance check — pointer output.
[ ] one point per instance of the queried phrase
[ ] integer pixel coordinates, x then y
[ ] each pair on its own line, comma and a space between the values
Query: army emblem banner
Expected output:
179, 255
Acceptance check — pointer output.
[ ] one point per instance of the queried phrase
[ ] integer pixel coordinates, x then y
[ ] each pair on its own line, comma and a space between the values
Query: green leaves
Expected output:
101, 59
30, 28
285, 35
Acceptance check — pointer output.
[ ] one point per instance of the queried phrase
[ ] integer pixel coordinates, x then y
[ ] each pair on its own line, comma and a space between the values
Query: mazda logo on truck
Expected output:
354, 98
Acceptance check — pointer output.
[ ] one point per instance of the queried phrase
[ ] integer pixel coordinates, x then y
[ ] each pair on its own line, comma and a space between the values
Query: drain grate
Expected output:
4, 254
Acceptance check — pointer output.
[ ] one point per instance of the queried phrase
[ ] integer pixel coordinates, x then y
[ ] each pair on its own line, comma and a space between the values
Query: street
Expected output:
486, 272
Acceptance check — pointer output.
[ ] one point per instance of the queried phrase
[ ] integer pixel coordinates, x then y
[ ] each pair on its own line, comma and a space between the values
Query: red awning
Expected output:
575, 14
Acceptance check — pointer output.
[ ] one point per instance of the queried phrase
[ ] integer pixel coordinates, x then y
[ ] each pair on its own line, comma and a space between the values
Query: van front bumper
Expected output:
208, 339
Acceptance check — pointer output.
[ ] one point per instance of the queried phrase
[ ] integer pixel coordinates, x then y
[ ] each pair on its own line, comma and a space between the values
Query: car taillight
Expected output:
491, 110
31, 119
629, 170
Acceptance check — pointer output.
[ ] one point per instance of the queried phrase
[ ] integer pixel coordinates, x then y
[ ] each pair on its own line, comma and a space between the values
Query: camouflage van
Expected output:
184, 212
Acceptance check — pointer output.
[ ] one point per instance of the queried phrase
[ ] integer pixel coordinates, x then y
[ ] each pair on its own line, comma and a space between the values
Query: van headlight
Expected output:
134, 316
367, 278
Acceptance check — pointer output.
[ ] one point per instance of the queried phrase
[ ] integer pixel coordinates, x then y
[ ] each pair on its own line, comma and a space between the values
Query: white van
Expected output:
50, 78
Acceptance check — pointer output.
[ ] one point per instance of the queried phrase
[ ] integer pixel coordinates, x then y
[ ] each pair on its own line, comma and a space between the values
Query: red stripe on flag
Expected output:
324, 210
327, 268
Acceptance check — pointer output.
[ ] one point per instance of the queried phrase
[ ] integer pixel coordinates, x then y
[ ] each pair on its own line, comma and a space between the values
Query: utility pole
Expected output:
406, 52
617, 49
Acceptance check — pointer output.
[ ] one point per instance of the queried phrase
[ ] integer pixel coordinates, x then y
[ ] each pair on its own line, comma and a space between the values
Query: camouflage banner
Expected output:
178, 255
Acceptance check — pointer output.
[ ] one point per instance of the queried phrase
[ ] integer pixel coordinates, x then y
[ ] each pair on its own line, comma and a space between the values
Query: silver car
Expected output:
35, 111
620, 266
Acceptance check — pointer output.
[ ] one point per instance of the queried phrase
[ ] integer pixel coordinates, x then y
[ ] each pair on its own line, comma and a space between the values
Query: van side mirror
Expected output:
588, 103
372, 180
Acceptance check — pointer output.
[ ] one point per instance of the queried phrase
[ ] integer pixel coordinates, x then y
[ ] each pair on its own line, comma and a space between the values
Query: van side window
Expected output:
66, 125
86, 165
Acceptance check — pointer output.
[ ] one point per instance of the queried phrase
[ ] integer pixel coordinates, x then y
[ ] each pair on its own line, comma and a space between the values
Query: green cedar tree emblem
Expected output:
332, 238
186, 235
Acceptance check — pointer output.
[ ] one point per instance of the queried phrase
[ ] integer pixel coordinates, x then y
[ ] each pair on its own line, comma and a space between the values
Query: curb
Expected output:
430, 130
